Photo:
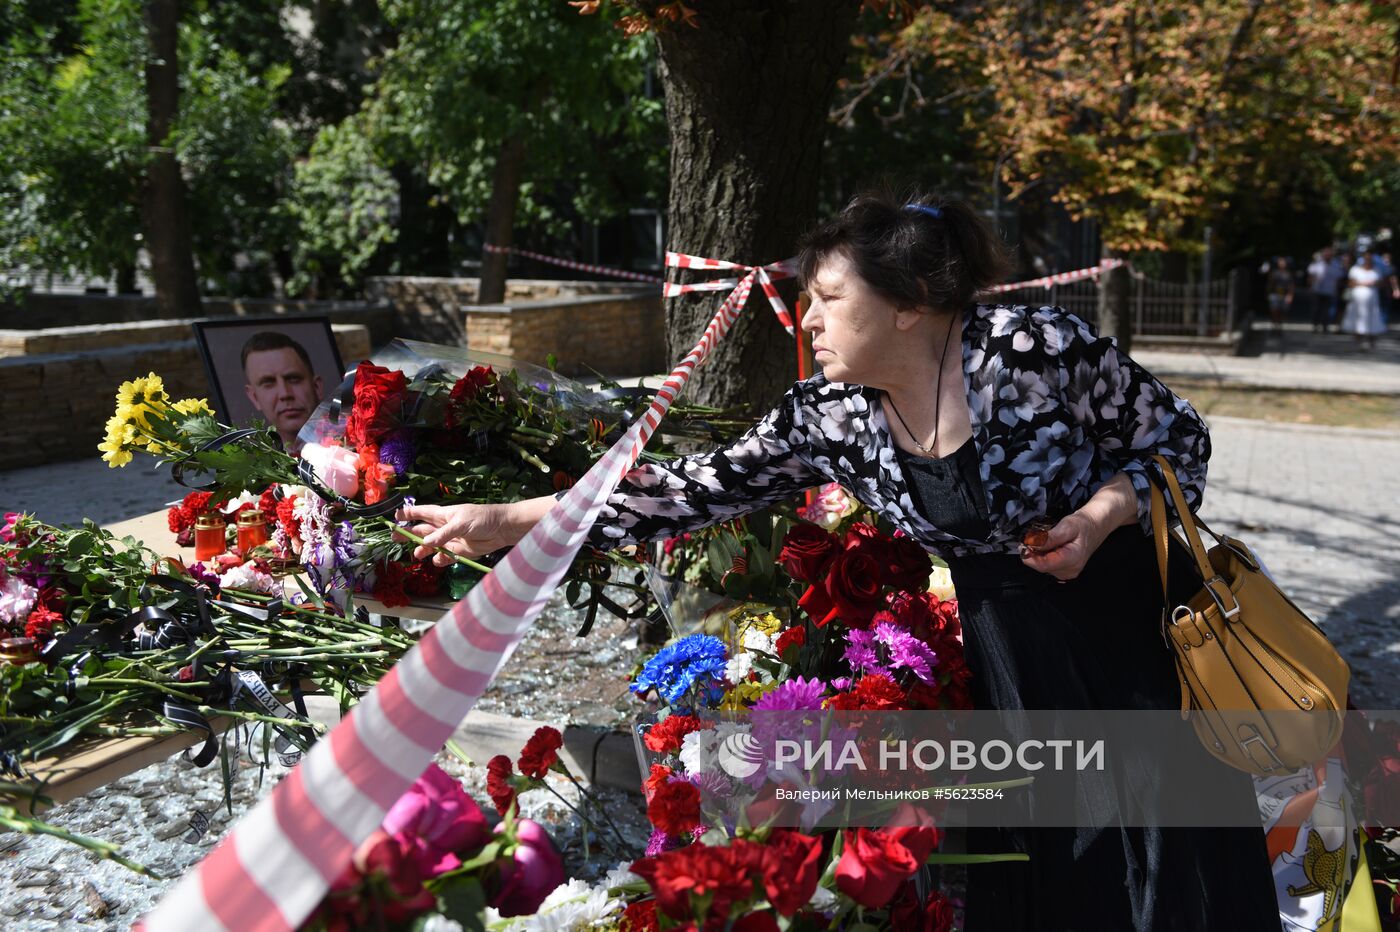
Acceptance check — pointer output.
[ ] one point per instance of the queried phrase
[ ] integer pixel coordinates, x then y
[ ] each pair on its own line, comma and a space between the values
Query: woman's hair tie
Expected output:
934, 212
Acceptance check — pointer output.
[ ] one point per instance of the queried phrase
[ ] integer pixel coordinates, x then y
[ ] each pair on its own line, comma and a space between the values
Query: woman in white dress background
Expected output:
1363, 316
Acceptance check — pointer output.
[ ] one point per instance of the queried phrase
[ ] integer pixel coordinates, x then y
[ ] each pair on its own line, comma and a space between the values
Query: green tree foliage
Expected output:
344, 208
466, 75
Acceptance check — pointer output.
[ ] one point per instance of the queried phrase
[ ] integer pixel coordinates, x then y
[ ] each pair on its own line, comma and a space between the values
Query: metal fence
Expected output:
1159, 308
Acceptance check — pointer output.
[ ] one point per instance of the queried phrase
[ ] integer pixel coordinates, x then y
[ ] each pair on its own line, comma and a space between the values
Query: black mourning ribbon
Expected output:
177, 471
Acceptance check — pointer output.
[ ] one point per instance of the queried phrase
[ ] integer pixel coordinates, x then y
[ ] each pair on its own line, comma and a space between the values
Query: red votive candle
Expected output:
209, 536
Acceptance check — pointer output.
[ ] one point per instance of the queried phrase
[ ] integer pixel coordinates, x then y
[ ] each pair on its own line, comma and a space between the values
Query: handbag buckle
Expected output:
1257, 738
1227, 614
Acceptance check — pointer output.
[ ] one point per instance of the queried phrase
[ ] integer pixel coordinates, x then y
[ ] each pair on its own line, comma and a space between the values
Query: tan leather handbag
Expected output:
1263, 687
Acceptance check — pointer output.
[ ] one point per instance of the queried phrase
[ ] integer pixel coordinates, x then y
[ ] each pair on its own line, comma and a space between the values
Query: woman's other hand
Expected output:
1067, 547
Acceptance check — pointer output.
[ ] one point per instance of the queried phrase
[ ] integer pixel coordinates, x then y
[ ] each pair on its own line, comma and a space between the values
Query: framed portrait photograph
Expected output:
269, 370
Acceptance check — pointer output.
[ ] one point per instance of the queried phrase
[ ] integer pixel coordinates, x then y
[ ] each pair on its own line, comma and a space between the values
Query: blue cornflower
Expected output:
679, 666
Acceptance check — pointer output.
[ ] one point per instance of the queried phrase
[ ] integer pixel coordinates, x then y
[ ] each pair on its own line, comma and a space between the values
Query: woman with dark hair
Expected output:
964, 425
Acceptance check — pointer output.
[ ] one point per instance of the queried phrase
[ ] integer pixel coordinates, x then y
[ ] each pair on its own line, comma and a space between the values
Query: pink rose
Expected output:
534, 873
335, 467
437, 820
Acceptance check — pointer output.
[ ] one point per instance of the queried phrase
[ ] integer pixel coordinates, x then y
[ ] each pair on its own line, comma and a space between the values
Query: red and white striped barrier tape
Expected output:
766, 275
1059, 278
273, 869
571, 264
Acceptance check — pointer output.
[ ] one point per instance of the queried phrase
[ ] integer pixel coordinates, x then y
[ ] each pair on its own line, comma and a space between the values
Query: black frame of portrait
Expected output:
212, 337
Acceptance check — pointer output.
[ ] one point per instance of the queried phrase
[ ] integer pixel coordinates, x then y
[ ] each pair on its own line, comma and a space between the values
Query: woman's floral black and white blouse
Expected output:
1056, 412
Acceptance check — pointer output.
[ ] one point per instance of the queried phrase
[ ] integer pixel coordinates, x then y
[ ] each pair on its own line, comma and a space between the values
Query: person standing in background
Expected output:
1279, 287
1363, 316
1325, 273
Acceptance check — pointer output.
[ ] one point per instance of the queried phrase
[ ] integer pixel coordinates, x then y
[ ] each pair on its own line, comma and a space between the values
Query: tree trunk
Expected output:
747, 96
163, 205
1115, 317
500, 219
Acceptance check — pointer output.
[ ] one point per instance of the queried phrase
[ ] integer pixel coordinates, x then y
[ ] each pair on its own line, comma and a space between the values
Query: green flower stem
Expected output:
97, 682
259, 717
937, 858
472, 564
11, 819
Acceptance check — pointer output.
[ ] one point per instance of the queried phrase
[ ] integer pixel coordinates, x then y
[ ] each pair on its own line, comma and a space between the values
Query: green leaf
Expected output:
463, 900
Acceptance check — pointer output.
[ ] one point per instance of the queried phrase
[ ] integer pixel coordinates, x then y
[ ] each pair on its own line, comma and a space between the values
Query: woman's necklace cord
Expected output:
937, 397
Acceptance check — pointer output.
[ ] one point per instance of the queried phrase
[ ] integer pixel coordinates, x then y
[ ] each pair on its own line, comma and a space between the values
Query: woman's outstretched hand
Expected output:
466, 530
471, 530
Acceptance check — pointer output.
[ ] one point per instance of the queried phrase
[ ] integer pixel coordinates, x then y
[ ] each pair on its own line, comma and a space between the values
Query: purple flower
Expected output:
907, 651
203, 574
862, 654
794, 695
399, 450
709, 783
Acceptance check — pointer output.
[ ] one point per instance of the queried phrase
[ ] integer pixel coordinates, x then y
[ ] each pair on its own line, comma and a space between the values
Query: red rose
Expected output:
467, 389
914, 828
639, 917
807, 551
793, 867
793, 637
675, 807
379, 399
850, 591
498, 785
666, 735
873, 865
903, 563
659, 775
907, 913
388, 584
541, 752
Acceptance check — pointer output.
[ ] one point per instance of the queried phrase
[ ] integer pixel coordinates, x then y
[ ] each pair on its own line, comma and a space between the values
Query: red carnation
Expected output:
675, 807
793, 637
807, 551
666, 735
659, 775
874, 693
379, 398
639, 917
541, 752
498, 786
423, 579
723, 873
388, 584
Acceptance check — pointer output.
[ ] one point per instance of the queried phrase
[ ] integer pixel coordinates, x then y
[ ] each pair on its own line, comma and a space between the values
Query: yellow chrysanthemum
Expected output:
148, 390
744, 695
768, 623
193, 406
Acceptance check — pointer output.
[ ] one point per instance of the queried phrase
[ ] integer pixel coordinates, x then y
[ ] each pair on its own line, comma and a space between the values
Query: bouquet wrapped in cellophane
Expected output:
421, 423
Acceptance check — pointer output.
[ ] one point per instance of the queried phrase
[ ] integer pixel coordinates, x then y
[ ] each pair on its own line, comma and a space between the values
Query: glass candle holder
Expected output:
252, 530
18, 651
209, 542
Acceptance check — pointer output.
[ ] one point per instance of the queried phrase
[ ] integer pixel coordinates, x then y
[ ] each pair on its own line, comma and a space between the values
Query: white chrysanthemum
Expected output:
698, 751
439, 923
738, 667
243, 498
571, 907
247, 578
621, 876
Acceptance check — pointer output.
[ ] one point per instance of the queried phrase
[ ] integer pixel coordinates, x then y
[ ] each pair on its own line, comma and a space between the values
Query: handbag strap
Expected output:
1218, 587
